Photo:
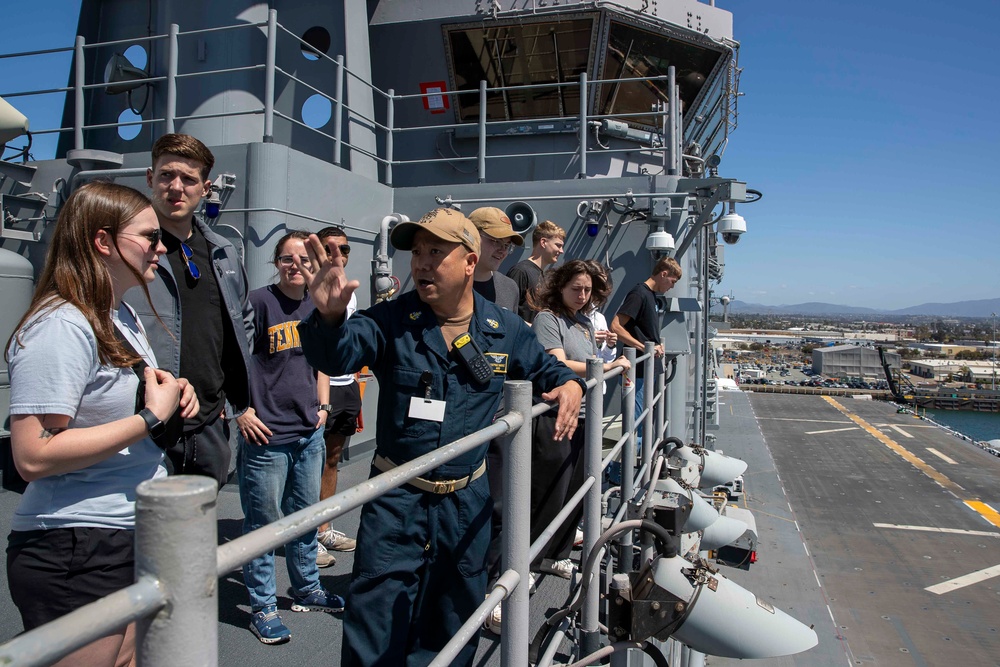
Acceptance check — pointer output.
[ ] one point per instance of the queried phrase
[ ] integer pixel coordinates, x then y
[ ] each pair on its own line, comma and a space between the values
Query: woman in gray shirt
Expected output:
77, 436
563, 299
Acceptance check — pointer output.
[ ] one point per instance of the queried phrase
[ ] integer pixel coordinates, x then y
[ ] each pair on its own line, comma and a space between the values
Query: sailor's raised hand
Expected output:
328, 284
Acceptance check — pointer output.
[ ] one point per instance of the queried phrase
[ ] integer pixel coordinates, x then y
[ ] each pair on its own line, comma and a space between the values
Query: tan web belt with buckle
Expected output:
440, 486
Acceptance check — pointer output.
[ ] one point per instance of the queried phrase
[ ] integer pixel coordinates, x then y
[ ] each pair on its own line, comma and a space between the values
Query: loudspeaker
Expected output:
12, 122
714, 468
120, 72
522, 217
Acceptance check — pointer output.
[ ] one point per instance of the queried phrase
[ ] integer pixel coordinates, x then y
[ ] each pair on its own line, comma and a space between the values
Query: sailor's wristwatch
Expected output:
326, 406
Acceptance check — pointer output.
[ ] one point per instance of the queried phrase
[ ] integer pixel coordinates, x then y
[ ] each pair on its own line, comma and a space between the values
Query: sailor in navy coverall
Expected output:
419, 570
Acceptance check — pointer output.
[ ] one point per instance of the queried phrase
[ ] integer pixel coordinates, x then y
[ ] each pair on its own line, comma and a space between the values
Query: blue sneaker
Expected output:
317, 600
267, 625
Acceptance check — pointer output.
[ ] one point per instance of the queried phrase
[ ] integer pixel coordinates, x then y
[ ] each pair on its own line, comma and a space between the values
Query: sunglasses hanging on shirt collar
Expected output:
192, 268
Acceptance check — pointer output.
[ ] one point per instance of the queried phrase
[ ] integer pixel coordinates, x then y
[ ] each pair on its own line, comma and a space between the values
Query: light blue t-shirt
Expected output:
55, 370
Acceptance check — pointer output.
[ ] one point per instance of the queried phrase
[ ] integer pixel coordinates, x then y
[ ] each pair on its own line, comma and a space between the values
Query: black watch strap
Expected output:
154, 426
582, 383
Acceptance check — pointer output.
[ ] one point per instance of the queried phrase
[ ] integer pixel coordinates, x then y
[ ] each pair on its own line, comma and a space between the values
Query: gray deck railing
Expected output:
175, 597
583, 120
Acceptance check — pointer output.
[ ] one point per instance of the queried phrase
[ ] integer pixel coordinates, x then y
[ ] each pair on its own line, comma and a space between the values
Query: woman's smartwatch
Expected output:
154, 426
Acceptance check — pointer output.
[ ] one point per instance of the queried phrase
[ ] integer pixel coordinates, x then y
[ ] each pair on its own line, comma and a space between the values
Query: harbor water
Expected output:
976, 425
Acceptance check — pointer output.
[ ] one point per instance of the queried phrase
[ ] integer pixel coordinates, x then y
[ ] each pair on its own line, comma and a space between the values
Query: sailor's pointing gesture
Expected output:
328, 284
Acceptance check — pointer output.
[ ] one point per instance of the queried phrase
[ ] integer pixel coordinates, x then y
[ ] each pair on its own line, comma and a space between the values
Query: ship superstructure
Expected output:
609, 118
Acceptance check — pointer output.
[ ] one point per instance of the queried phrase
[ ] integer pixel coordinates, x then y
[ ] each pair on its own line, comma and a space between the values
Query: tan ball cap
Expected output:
493, 221
445, 223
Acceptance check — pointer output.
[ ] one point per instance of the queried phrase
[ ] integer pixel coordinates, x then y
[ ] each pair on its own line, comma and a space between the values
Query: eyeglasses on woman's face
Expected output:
289, 260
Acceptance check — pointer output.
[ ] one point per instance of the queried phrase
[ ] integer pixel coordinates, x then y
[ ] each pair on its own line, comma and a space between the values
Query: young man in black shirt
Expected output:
546, 246
638, 319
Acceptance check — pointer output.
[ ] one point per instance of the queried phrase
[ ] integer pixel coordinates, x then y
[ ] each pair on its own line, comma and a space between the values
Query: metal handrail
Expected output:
150, 594
389, 161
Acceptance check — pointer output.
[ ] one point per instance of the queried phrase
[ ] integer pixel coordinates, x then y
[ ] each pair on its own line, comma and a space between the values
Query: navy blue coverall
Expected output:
420, 565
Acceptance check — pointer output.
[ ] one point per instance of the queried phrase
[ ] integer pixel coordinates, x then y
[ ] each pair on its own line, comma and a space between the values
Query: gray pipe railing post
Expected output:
648, 436
593, 436
583, 127
390, 118
171, 110
624, 563
482, 131
79, 74
661, 404
648, 391
269, 64
672, 106
338, 110
175, 542
516, 534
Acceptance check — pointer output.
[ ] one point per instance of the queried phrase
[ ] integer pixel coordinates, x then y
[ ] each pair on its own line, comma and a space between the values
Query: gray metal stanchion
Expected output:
516, 534
624, 563
661, 405
648, 391
175, 542
648, 435
593, 435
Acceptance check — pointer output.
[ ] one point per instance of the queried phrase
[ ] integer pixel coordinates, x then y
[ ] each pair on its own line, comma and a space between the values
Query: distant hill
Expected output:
980, 308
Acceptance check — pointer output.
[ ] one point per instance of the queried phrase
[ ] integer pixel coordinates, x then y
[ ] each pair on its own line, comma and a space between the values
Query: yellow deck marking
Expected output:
986, 511
906, 455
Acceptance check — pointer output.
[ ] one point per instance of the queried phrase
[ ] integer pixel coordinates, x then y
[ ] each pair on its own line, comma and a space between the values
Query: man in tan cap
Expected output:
498, 238
419, 569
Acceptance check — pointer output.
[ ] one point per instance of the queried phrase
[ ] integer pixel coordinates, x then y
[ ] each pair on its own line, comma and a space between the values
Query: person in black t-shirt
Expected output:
498, 239
546, 246
638, 319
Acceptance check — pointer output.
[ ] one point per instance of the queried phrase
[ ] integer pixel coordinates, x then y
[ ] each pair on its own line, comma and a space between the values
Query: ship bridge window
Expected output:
634, 52
517, 55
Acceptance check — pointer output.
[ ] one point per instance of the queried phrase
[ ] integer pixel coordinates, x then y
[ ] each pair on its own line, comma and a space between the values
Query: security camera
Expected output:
732, 226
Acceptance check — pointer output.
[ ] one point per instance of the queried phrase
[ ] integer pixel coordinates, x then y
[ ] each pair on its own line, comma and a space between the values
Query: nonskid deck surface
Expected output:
897, 518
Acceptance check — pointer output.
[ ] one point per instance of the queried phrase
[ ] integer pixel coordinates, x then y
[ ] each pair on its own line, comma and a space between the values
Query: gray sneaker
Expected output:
334, 540
323, 557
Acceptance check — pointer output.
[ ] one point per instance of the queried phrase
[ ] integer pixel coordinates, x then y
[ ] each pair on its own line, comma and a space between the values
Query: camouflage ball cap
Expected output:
445, 223
491, 220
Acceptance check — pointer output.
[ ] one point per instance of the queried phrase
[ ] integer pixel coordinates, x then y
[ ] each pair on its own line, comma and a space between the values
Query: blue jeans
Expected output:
640, 402
276, 480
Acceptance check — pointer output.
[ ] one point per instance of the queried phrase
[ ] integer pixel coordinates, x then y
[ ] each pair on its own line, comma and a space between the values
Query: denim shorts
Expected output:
53, 572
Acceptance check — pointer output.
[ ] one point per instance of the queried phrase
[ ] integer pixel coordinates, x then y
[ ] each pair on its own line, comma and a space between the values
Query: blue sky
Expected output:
871, 129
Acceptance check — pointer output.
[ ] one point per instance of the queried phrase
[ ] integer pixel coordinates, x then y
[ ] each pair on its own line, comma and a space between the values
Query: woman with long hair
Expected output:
77, 360
563, 299
281, 448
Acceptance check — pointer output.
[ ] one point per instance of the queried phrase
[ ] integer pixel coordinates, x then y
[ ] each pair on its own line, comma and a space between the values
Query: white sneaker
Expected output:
578, 540
493, 622
561, 568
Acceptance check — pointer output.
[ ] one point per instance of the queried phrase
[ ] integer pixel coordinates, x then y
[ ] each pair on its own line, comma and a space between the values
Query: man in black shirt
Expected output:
546, 245
204, 285
638, 319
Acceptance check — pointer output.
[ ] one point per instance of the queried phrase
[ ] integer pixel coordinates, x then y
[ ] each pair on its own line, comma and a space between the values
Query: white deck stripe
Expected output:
835, 430
946, 459
899, 430
934, 529
965, 580
811, 421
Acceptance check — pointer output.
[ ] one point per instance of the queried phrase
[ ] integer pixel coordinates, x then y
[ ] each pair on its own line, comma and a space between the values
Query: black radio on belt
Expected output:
473, 358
